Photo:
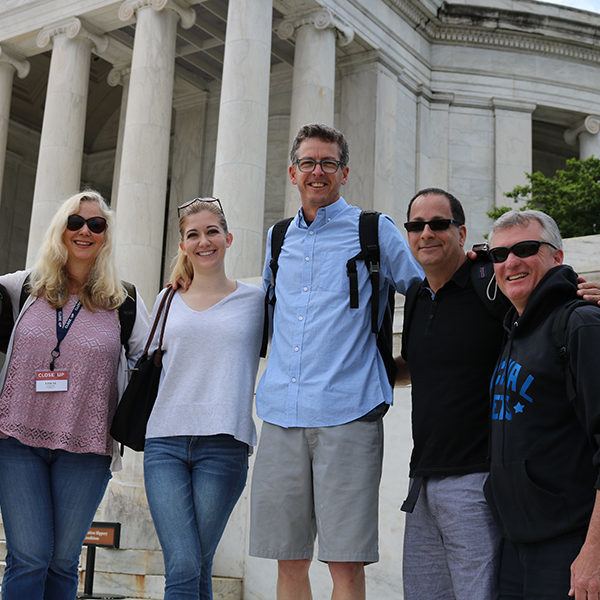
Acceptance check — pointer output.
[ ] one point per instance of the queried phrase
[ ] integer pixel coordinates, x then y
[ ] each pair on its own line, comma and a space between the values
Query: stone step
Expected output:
117, 572
151, 587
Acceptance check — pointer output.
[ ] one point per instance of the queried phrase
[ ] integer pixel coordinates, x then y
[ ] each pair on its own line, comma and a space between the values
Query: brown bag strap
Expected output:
169, 293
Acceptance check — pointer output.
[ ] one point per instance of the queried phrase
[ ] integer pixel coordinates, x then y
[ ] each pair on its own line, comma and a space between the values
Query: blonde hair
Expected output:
49, 278
182, 271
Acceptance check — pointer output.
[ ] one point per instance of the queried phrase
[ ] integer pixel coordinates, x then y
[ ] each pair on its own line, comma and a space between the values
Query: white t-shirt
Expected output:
209, 367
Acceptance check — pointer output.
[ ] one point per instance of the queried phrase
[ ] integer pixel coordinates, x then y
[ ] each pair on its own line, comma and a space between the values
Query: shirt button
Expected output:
293, 380
306, 258
300, 318
305, 288
311, 233
296, 348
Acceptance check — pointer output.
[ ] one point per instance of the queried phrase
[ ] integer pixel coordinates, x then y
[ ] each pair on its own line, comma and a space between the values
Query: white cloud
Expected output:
591, 5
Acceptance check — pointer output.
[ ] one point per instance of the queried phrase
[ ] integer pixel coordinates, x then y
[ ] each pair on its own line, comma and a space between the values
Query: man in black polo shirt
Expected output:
451, 340
452, 337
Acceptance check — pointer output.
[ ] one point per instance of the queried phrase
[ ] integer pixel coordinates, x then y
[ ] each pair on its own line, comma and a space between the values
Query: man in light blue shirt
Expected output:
325, 388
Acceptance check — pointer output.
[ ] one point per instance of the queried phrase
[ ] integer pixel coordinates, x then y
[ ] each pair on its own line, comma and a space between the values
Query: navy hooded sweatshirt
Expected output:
544, 447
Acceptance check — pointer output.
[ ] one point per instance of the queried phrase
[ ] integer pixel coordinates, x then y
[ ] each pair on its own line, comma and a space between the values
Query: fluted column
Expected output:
588, 132
186, 163
8, 65
142, 186
61, 144
240, 162
119, 75
313, 83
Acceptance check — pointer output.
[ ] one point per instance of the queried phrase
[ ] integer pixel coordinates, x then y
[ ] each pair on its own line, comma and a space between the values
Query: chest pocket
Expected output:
330, 273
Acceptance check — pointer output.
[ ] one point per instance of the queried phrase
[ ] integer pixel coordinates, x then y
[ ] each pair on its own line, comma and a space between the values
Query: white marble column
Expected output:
368, 117
142, 186
588, 132
8, 65
240, 162
313, 84
61, 144
119, 75
513, 147
186, 163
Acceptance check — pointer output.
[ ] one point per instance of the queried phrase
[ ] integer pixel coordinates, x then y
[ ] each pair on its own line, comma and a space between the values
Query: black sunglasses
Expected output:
207, 200
94, 224
520, 249
434, 225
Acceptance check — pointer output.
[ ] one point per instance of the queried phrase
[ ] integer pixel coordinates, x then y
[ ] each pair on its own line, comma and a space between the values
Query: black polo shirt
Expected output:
451, 346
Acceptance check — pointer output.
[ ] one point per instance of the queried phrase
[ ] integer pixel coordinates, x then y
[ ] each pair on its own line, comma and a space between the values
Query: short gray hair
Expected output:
522, 218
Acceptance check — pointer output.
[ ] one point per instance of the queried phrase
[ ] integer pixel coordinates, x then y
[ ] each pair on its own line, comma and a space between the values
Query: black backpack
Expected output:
368, 233
127, 312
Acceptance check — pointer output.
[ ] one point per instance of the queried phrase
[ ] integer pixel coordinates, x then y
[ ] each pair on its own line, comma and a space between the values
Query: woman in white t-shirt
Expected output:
201, 429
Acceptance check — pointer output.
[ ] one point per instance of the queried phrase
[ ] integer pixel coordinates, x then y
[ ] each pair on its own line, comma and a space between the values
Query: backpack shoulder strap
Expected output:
127, 313
25, 289
368, 235
560, 324
561, 342
7, 321
277, 237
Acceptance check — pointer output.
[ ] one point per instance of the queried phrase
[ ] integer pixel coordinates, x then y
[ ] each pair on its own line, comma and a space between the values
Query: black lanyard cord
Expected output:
62, 330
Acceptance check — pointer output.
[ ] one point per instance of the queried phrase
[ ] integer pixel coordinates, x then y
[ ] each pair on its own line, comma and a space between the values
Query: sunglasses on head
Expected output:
520, 250
94, 224
193, 200
434, 225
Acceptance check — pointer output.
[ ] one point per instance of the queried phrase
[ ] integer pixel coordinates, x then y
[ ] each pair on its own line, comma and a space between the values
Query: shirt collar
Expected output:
460, 278
324, 214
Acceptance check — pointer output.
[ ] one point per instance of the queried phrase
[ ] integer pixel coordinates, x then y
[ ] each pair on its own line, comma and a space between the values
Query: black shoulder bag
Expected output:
131, 419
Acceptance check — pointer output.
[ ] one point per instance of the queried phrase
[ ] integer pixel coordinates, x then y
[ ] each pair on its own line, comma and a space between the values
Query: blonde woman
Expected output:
65, 367
201, 427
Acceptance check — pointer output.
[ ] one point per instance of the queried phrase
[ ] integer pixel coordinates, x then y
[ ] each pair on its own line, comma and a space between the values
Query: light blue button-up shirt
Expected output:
324, 367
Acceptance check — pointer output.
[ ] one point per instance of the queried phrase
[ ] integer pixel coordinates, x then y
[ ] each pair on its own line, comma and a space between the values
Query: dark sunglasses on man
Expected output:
94, 224
434, 225
522, 249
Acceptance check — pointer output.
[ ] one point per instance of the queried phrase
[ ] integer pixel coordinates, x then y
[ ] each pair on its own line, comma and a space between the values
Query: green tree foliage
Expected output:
571, 197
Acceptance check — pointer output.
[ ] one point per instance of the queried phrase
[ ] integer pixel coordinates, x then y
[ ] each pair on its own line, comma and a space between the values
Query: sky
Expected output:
592, 5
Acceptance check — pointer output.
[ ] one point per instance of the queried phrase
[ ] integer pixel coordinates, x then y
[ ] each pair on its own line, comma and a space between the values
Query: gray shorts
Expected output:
317, 481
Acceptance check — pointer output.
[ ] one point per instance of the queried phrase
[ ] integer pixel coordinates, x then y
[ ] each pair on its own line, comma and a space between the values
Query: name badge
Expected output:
51, 381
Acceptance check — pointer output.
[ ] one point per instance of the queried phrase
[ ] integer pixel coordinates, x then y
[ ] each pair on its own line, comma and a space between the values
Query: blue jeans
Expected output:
48, 500
192, 484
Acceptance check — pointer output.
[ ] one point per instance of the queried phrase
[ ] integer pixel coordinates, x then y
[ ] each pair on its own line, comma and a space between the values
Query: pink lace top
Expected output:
77, 420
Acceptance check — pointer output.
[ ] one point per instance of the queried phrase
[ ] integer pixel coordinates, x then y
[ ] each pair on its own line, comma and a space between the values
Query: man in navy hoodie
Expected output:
545, 420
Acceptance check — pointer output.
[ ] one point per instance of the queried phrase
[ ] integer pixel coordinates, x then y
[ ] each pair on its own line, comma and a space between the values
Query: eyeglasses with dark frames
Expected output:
434, 225
206, 200
308, 165
94, 224
522, 249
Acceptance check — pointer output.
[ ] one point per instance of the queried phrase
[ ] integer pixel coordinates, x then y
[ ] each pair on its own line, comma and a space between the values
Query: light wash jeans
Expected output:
48, 499
192, 485
451, 542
